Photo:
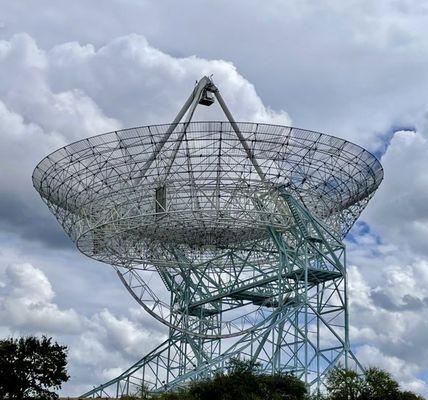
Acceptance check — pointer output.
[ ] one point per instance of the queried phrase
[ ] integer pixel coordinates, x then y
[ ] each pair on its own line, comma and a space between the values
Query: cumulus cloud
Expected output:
50, 98
68, 114
99, 344
140, 84
34, 120
389, 279
401, 370
389, 315
108, 345
122, 333
399, 212
358, 75
26, 303
350, 68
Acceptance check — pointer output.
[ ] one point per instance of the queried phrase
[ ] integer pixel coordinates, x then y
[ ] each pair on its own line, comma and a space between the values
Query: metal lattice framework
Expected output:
230, 233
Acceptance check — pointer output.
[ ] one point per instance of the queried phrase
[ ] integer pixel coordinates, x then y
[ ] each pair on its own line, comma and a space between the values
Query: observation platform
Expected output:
257, 291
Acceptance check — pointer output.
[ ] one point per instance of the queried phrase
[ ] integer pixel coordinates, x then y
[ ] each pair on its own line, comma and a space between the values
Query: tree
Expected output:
235, 366
374, 384
379, 385
30, 366
281, 387
344, 384
238, 383
243, 381
410, 396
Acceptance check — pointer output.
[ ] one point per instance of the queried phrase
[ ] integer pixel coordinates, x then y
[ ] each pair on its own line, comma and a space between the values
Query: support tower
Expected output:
229, 233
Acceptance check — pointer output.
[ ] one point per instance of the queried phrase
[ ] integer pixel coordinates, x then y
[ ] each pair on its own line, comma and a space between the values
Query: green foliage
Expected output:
281, 387
179, 395
142, 394
236, 366
374, 384
379, 385
343, 384
29, 367
242, 382
410, 396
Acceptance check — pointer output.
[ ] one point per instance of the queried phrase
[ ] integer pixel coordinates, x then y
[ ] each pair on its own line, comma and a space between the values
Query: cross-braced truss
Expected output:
238, 227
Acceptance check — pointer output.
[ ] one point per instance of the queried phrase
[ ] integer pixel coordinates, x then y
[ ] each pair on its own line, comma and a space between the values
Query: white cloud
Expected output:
50, 98
354, 69
34, 121
401, 370
399, 211
389, 310
26, 303
140, 85
25, 90
122, 334
99, 345
388, 284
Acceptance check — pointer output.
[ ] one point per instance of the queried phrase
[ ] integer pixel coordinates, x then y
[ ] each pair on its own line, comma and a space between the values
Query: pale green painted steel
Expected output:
230, 234
311, 278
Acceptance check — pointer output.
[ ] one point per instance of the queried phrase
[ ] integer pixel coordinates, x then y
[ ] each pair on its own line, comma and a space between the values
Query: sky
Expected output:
356, 69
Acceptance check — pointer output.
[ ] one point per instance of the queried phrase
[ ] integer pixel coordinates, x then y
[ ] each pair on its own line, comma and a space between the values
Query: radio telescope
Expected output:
229, 233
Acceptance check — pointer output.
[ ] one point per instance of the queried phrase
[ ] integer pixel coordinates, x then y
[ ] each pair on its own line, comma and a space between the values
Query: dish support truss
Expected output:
294, 278
304, 330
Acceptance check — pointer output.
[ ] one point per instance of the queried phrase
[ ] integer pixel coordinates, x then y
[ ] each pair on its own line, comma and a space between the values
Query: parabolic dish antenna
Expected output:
241, 223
